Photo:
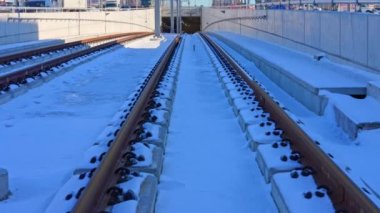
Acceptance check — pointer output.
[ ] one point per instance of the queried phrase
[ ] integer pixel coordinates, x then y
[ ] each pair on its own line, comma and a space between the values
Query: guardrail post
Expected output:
157, 19
171, 16
178, 16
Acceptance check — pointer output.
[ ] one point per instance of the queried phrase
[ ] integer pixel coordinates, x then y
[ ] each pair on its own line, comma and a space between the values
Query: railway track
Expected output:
13, 58
345, 195
100, 188
104, 186
19, 75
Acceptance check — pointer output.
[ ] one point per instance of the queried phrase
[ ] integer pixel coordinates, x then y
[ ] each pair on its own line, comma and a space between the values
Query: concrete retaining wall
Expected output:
22, 27
347, 37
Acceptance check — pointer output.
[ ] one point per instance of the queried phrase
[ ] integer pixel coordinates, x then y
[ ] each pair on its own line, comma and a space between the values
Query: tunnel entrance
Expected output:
190, 24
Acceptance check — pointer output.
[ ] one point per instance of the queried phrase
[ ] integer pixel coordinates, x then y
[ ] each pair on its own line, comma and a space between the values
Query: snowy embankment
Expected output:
208, 166
356, 157
5, 49
45, 131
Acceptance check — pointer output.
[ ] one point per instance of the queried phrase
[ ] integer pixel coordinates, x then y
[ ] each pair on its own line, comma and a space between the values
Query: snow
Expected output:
162, 116
56, 127
274, 160
318, 74
293, 191
67, 196
15, 66
354, 108
6, 47
146, 151
208, 166
154, 133
128, 206
359, 156
46, 130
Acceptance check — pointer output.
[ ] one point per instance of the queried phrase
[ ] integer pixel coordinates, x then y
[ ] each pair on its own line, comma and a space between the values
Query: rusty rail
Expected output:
95, 197
345, 194
20, 75
30, 53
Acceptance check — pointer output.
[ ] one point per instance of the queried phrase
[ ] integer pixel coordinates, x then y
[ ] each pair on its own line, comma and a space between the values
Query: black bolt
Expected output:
148, 134
101, 156
93, 159
294, 174
308, 195
306, 172
130, 195
284, 158
109, 143
79, 193
284, 143
294, 157
122, 171
69, 196
140, 158
319, 194
91, 172
154, 118
115, 133
136, 174
82, 176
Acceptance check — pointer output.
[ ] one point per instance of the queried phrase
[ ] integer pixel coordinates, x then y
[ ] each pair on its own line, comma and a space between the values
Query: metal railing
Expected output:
296, 2
5, 9
185, 11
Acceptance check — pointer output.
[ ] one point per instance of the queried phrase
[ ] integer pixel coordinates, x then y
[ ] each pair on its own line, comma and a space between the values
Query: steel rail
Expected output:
95, 197
20, 75
33, 52
345, 194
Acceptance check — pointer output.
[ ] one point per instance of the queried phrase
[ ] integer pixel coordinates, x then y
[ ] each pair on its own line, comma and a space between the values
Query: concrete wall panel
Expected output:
69, 24
346, 37
271, 21
278, 22
354, 37
294, 25
313, 29
330, 33
374, 41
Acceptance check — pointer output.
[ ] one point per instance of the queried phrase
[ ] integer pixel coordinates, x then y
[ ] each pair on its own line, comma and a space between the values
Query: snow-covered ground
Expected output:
25, 63
359, 157
208, 166
44, 132
6, 49
23, 44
